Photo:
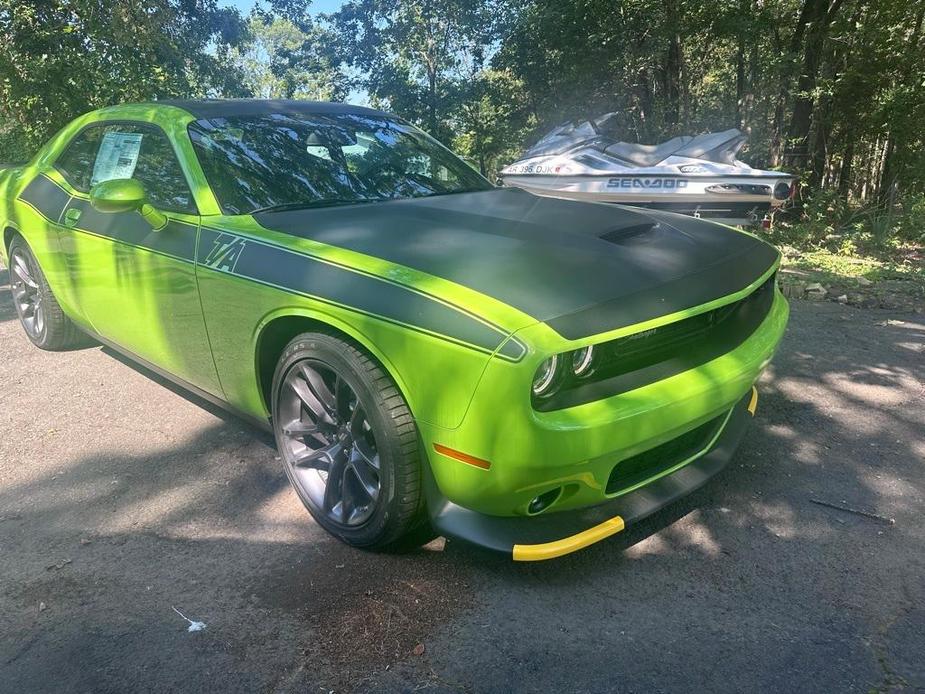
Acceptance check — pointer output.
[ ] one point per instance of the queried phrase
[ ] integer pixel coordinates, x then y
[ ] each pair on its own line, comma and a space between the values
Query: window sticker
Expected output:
117, 157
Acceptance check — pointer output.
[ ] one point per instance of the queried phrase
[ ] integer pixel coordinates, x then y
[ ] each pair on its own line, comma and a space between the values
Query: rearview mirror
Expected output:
338, 137
125, 195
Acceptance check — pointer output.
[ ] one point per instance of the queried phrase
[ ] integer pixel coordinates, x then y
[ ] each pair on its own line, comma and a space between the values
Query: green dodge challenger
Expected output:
431, 352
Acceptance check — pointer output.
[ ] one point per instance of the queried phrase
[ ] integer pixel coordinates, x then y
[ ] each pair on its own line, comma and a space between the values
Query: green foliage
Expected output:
492, 120
829, 89
910, 225
61, 58
413, 56
829, 221
287, 59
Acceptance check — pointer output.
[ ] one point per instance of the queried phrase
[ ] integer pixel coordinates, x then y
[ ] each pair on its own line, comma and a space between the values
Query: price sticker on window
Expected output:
117, 157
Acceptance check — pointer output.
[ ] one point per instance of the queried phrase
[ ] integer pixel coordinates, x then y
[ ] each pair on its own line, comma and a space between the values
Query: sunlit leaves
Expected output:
65, 57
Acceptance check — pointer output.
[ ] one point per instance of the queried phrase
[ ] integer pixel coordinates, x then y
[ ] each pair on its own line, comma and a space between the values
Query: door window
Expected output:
124, 150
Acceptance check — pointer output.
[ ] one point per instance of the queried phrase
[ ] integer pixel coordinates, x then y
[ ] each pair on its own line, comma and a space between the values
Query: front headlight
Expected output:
545, 380
581, 360
560, 369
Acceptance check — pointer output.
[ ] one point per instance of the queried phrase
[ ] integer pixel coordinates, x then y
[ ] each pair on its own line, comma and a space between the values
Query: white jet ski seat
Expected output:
720, 147
646, 155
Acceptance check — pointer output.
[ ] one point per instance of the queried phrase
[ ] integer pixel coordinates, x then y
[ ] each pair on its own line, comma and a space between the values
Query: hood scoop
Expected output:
632, 233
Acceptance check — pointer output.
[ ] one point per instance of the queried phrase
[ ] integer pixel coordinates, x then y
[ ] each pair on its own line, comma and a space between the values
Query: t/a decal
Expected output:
226, 250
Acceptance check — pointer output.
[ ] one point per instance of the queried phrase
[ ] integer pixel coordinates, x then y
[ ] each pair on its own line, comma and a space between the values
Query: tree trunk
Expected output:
822, 117
820, 150
783, 83
644, 92
748, 105
742, 89
740, 83
673, 65
888, 183
849, 53
844, 176
818, 16
432, 101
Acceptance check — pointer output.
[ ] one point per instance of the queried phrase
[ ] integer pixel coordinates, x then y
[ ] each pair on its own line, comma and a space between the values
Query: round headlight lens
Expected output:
545, 378
581, 360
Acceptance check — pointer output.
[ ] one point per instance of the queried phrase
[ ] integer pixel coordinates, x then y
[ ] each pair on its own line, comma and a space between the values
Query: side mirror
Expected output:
117, 195
125, 195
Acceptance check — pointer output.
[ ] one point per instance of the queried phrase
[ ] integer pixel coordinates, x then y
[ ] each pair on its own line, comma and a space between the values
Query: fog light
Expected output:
544, 501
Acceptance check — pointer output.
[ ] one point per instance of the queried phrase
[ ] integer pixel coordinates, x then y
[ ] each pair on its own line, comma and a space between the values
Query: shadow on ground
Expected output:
745, 585
7, 309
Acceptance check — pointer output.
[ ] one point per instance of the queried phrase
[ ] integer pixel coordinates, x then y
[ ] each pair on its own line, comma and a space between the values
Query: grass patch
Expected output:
896, 281
836, 265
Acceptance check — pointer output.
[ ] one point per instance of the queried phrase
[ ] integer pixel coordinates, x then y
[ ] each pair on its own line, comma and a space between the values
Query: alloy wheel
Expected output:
26, 293
328, 443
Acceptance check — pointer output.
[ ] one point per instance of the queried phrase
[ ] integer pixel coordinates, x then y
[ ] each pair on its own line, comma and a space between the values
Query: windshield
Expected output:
276, 161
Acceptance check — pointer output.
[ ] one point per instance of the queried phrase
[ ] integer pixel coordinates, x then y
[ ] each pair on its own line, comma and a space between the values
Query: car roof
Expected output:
222, 108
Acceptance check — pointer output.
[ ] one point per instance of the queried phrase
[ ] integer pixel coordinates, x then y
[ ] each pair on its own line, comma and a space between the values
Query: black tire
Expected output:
40, 314
357, 415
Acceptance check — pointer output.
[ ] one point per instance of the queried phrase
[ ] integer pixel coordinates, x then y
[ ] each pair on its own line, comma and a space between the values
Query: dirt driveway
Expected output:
121, 500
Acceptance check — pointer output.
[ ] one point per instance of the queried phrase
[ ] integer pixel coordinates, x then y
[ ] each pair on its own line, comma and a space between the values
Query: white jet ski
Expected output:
699, 176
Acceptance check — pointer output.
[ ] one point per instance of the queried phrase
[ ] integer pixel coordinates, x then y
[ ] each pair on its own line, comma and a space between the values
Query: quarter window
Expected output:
125, 150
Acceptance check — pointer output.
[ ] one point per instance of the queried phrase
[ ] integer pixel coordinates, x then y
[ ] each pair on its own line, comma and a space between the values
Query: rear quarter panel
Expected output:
6, 174
19, 217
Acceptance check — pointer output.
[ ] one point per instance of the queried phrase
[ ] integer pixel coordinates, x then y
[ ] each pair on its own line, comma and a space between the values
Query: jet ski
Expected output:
699, 175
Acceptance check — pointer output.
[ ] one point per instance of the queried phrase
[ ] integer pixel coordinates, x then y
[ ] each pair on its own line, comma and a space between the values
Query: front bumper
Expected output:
534, 538
525, 453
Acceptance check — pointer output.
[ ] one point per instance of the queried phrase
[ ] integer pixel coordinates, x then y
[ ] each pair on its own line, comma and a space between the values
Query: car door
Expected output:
135, 285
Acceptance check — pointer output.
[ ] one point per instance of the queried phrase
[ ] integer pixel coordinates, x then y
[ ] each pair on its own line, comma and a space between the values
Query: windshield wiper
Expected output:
309, 204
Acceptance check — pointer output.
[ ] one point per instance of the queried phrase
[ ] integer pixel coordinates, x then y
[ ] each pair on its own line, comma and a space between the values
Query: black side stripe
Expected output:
177, 240
278, 267
46, 197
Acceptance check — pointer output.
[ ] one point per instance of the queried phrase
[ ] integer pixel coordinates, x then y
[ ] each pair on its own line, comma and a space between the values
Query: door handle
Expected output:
71, 216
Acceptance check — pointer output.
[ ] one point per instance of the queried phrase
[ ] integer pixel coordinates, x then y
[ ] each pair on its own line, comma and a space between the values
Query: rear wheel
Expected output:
348, 442
39, 313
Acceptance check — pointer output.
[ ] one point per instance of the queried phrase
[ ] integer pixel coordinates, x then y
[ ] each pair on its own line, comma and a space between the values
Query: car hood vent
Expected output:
632, 233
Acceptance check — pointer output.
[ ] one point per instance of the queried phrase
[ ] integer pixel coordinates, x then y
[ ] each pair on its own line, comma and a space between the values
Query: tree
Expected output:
61, 58
816, 18
835, 85
493, 120
285, 60
412, 52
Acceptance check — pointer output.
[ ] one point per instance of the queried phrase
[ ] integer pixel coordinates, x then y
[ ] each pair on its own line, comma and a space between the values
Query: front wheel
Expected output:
348, 442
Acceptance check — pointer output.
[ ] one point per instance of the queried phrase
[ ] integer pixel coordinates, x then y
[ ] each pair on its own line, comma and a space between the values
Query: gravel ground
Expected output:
121, 499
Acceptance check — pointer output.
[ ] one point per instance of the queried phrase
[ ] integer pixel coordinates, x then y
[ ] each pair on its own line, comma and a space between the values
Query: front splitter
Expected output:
535, 538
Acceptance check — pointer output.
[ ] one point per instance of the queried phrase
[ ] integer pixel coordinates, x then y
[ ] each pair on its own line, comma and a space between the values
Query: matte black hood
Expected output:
583, 268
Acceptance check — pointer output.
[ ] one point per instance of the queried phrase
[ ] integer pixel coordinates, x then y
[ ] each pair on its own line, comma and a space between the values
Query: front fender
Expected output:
436, 376
328, 319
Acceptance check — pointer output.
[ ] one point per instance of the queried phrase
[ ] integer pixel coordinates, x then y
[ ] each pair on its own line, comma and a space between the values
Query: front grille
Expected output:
636, 360
655, 461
